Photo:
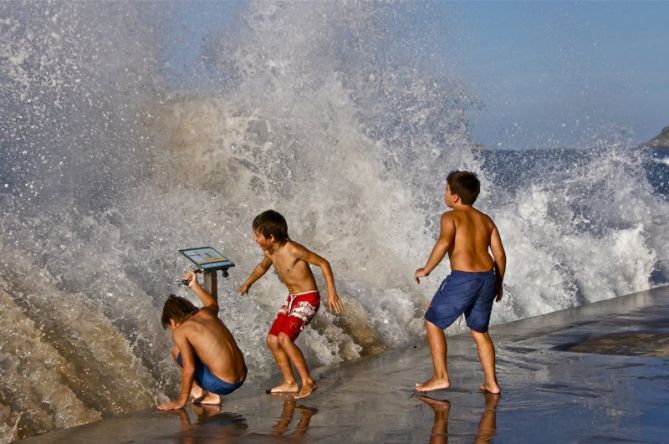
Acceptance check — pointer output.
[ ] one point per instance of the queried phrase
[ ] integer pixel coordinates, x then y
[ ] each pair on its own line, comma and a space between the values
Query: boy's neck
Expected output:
276, 246
461, 206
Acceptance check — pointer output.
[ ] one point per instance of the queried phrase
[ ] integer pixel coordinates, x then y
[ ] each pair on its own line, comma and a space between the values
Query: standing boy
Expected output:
211, 363
466, 234
291, 263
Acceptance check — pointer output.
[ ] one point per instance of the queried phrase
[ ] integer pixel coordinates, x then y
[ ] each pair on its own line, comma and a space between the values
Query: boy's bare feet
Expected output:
284, 388
433, 384
209, 399
197, 393
493, 389
307, 389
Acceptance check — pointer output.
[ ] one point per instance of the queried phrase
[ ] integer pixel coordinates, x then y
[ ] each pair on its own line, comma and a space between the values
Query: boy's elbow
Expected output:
498, 253
320, 262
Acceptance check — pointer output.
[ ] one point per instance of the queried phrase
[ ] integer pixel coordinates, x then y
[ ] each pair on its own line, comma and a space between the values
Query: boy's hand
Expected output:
244, 289
500, 292
334, 303
191, 278
419, 274
172, 405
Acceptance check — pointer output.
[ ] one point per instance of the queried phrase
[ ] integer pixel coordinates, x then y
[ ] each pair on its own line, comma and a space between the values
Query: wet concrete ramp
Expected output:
593, 374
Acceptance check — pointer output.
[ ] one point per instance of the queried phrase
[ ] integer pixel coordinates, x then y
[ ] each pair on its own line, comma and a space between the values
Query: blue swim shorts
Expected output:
210, 382
471, 293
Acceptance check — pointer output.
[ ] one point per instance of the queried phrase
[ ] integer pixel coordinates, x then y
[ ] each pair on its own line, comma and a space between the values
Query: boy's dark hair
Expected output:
271, 223
465, 184
176, 308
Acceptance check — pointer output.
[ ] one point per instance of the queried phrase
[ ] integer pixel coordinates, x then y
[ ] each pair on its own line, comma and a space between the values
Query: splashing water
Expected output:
108, 169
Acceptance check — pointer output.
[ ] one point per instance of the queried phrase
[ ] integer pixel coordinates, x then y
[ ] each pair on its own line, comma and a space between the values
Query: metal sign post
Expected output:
211, 283
209, 261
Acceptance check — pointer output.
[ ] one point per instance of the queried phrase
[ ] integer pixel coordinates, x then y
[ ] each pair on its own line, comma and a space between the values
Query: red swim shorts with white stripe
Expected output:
296, 313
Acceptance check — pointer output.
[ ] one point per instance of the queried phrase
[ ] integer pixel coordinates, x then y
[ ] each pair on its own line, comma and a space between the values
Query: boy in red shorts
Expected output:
291, 262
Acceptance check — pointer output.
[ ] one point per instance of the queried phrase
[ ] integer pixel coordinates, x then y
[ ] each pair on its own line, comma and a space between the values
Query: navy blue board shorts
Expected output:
468, 292
210, 382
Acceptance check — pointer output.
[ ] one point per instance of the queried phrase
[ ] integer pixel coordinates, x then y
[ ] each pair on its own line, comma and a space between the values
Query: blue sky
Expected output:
547, 73
556, 72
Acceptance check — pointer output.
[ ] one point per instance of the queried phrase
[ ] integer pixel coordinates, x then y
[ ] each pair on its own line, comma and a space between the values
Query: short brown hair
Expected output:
465, 184
176, 308
271, 223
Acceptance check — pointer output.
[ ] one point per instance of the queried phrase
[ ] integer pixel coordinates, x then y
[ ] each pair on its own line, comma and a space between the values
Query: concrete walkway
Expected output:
593, 374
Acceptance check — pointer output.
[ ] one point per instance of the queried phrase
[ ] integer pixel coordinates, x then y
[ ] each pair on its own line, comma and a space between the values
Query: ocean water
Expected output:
110, 163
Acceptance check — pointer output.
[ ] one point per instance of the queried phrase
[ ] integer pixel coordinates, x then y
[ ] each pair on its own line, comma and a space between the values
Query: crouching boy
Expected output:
210, 360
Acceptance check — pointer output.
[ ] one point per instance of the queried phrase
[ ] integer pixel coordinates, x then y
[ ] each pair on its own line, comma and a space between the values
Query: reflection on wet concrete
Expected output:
211, 426
550, 394
288, 412
195, 424
442, 408
488, 424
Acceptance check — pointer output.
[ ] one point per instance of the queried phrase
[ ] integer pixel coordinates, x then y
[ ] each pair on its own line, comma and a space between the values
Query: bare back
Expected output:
472, 233
213, 343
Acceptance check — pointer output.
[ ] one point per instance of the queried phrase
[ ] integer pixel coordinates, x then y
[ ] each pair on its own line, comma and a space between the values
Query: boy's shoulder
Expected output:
461, 213
288, 248
291, 245
202, 315
295, 248
485, 215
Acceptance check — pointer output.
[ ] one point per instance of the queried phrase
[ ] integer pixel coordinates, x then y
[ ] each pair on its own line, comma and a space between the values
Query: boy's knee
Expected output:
272, 341
478, 335
284, 339
175, 352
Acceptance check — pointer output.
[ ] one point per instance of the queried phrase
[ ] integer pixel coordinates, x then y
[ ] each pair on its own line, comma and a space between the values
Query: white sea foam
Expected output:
663, 161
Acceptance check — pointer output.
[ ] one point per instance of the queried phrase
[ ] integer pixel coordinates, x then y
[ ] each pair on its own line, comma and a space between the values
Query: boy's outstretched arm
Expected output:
208, 301
334, 303
441, 247
256, 274
499, 256
187, 374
